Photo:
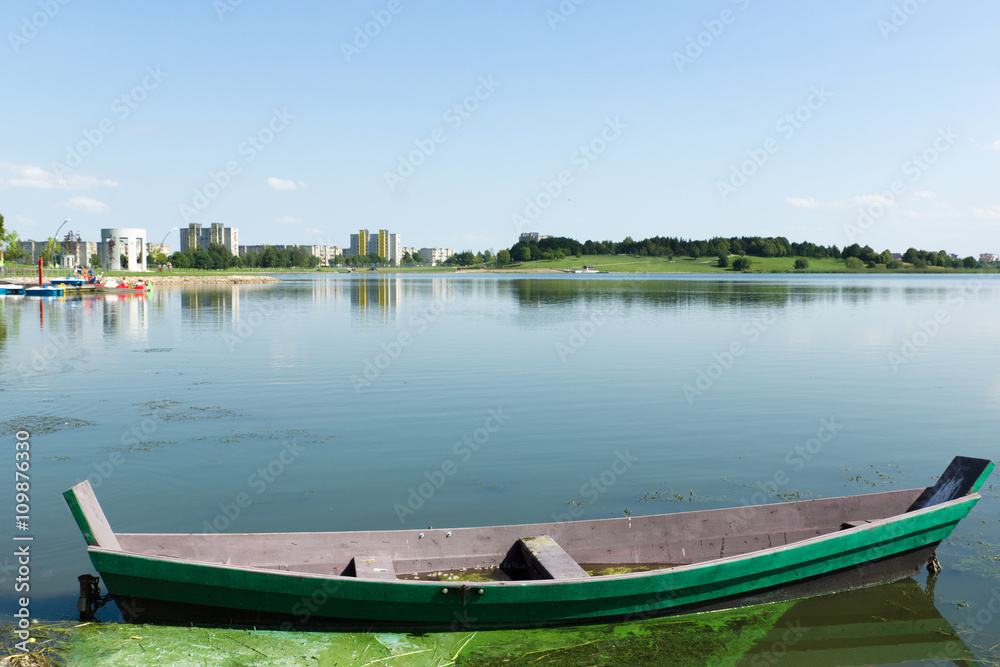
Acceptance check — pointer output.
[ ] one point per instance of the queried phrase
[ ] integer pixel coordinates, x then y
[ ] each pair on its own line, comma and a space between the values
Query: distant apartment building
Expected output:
413, 252
67, 256
325, 252
527, 237
153, 248
435, 256
197, 237
988, 257
31, 250
78, 253
382, 243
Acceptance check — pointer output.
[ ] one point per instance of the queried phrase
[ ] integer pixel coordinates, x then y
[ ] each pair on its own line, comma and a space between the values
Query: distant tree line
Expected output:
558, 247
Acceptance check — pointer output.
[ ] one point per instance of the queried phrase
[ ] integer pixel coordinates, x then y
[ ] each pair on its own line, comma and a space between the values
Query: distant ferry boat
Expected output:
586, 269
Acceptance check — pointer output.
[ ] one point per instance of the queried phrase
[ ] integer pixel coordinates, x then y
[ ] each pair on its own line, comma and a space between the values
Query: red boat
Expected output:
115, 287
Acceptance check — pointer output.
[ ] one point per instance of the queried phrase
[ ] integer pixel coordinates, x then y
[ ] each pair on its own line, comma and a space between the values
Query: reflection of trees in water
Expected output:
676, 293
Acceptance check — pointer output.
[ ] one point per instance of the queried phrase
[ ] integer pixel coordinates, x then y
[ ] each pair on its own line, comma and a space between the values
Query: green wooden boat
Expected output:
528, 575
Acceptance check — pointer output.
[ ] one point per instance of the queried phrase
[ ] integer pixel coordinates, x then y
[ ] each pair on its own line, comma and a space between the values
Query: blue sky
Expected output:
871, 122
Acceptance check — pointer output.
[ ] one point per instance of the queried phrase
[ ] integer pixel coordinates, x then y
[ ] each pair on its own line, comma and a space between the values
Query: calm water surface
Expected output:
334, 401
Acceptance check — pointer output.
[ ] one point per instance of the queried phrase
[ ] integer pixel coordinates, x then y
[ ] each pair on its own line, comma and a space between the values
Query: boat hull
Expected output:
43, 291
164, 590
307, 611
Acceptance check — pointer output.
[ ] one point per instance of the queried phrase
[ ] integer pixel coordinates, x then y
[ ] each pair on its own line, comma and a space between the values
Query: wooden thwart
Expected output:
377, 566
549, 559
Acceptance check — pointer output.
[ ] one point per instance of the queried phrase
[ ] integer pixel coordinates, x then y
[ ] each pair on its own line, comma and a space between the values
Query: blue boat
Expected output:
75, 282
11, 288
44, 290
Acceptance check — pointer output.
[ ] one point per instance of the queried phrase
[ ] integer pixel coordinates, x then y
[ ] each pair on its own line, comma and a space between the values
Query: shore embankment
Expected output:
166, 279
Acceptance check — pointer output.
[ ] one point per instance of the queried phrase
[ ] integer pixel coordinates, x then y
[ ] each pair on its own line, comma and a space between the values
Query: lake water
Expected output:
334, 401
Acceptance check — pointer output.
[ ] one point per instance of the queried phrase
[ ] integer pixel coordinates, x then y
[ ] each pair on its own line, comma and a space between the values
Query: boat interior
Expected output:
561, 550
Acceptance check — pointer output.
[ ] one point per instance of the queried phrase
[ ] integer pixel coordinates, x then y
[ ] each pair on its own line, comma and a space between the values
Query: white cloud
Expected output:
995, 146
868, 200
288, 220
21, 220
88, 204
799, 202
988, 213
30, 176
282, 184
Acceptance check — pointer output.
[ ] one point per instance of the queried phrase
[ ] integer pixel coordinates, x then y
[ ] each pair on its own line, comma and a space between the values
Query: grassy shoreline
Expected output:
603, 263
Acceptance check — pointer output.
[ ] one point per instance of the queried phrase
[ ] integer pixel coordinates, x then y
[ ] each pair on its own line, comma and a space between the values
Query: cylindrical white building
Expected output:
127, 249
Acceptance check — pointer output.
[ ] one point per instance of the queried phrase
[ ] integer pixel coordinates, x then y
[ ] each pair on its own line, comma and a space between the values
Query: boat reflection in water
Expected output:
889, 624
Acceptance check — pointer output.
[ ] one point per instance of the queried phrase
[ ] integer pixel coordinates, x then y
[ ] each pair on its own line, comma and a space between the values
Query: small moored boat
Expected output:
528, 575
44, 290
115, 287
11, 288
72, 282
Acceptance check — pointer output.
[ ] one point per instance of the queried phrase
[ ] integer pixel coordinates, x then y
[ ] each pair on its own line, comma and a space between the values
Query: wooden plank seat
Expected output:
376, 566
549, 560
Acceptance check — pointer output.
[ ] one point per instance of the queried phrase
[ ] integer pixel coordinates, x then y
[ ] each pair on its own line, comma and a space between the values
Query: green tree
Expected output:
95, 261
742, 264
801, 263
970, 262
503, 258
525, 254
854, 263
894, 264
51, 250
723, 261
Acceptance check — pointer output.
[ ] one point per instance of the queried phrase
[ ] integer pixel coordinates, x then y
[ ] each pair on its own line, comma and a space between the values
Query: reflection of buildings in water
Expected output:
126, 315
442, 289
376, 298
212, 305
324, 291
